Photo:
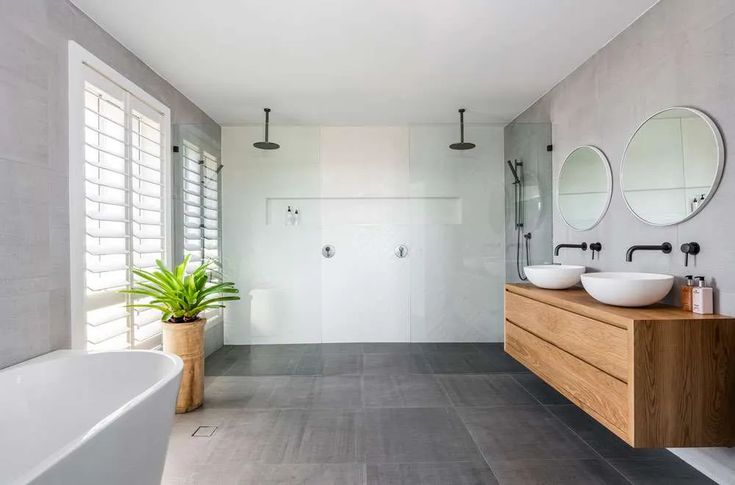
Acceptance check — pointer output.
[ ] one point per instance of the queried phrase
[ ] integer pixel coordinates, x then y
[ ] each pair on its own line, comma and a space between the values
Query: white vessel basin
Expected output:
554, 276
627, 289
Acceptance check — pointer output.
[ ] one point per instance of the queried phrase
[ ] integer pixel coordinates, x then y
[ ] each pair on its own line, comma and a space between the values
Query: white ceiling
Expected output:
335, 62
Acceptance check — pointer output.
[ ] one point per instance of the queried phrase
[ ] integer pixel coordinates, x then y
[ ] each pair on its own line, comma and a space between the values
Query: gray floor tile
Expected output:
304, 414
241, 436
409, 435
598, 437
403, 391
484, 390
394, 363
239, 392
471, 363
270, 392
314, 436
282, 350
391, 347
264, 365
267, 436
672, 471
557, 472
452, 363
341, 348
256, 474
329, 364
429, 474
318, 392
543, 392
506, 433
239, 349
219, 361
497, 360
489, 347
448, 347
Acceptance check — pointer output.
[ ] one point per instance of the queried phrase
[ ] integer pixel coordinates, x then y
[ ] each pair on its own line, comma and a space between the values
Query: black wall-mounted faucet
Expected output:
595, 248
582, 246
664, 248
689, 248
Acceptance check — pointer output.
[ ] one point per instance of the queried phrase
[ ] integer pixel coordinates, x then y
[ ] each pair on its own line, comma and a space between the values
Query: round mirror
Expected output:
584, 188
672, 166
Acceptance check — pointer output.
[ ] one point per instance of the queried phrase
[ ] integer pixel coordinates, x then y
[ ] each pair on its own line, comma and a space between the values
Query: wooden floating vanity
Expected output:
655, 376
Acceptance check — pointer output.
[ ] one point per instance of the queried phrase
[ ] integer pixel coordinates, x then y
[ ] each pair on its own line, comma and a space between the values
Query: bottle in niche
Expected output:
296, 217
702, 298
686, 293
289, 217
695, 204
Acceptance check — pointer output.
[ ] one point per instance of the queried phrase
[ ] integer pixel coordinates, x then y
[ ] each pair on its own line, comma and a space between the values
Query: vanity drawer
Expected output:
599, 394
600, 344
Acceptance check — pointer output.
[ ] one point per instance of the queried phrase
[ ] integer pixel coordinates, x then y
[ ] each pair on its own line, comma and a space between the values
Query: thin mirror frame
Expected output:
715, 181
608, 174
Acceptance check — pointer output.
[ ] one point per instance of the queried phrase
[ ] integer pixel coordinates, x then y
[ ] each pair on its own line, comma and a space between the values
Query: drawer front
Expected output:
602, 396
603, 345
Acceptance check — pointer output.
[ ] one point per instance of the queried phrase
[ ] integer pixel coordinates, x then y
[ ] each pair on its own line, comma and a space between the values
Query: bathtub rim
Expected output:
81, 439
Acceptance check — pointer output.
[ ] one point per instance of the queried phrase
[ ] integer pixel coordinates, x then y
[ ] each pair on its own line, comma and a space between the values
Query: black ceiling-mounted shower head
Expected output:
266, 145
462, 145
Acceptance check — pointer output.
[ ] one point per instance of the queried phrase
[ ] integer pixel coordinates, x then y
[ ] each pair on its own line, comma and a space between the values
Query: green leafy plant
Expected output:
178, 296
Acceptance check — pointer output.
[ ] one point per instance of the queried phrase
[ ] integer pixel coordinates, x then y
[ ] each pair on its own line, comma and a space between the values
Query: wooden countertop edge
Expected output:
578, 301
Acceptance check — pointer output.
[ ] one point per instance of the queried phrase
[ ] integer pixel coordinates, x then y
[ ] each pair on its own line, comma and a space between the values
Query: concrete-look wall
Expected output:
680, 53
34, 215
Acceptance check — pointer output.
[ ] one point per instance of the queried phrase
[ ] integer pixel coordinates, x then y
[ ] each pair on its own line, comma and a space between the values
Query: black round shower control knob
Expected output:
690, 248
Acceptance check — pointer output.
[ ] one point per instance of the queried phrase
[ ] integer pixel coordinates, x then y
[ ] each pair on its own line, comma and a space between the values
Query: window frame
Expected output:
79, 60
204, 144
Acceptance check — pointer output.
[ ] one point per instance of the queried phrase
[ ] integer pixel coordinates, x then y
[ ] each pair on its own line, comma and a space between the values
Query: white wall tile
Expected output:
364, 190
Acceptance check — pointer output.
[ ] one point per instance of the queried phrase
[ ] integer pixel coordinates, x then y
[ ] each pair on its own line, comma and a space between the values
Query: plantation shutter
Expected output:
201, 196
125, 205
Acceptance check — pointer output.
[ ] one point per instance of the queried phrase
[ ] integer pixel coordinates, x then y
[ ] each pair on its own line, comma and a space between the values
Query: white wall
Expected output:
364, 190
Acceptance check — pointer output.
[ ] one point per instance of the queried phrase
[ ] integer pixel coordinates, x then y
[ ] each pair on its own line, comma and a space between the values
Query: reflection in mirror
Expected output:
672, 166
584, 188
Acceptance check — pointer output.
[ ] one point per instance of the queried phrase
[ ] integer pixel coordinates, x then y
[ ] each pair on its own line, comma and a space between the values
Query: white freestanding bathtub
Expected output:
78, 418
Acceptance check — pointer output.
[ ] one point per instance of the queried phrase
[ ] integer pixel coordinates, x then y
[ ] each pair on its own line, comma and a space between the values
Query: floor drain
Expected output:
204, 431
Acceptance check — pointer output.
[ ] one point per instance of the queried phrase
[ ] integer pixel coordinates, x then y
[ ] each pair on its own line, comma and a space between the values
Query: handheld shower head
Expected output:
514, 172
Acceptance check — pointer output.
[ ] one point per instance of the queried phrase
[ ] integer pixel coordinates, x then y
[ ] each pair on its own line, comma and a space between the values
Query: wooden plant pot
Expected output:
187, 341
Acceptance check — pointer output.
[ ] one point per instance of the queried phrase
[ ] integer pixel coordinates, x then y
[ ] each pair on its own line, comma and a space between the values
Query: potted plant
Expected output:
181, 298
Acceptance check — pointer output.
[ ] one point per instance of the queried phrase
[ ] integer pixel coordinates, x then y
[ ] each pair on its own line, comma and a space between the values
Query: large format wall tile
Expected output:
676, 54
34, 161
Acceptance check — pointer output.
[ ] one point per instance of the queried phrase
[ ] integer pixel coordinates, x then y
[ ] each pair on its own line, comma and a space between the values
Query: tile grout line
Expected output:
445, 391
474, 441
557, 418
544, 406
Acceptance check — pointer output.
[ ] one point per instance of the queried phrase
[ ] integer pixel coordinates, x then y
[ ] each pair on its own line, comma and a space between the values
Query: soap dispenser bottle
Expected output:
686, 293
702, 302
289, 217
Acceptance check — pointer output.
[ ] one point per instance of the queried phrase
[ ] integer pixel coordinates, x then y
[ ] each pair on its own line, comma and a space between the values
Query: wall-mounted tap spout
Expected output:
582, 246
664, 248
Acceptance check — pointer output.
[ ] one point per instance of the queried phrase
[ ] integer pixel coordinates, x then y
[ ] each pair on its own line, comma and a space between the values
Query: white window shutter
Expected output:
125, 207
